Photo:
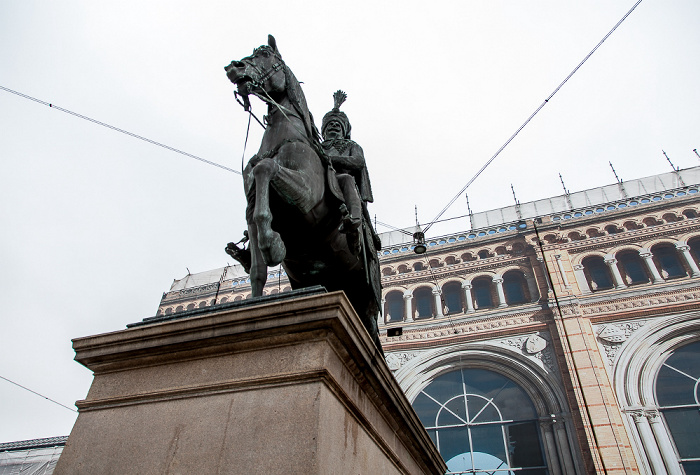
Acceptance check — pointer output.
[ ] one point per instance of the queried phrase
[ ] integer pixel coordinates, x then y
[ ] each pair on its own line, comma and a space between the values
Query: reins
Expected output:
265, 75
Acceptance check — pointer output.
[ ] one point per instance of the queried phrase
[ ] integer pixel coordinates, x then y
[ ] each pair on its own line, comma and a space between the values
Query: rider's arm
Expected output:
355, 160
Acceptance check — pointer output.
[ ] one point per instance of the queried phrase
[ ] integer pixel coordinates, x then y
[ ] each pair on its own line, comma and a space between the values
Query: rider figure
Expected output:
348, 161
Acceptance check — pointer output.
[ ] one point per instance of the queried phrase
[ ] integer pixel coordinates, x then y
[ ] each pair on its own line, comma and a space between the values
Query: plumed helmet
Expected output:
335, 114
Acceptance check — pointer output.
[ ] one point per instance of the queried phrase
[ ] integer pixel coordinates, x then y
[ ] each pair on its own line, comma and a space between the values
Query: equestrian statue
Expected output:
306, 198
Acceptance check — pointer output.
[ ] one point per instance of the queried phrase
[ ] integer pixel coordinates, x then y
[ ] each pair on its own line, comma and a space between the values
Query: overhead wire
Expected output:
117, 129
490, 160
38, 394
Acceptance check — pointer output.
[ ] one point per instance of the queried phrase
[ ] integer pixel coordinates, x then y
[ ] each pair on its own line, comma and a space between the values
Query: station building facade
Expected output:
560, 336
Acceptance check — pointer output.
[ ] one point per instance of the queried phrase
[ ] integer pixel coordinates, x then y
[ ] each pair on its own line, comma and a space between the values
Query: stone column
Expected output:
617, 277
438, 303
499, 290
649, 261
560, 265
387, 316
685, 251
581, 279
408, 307
467, 286
668, 452
564, 447
532, 287
550, 446
546, 274
651, 449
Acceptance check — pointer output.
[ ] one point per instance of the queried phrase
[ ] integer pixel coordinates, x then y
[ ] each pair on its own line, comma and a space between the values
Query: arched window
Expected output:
481, 290
393, 306
423, 298
632, 268
515, 288
667, 261
694, 244
678, 395
482, 422
418, 266
452, 293
612, 229
597, 273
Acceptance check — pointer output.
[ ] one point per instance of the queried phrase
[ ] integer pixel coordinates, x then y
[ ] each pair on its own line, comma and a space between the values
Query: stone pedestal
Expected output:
292, 386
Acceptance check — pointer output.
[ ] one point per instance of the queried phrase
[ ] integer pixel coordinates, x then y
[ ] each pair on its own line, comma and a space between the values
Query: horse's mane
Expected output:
296, 96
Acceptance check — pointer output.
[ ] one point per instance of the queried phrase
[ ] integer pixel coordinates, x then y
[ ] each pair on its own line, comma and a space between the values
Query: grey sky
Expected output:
95, 224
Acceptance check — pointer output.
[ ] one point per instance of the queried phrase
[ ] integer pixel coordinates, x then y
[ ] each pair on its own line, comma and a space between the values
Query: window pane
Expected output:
453, 442
482, 294
513, 288
453, 299
424, 305
668, 260
454, 412
674, 388
683, 424
524, 445
426, 409
514, 403
482, 410
634, 268
691, 468
486, 383
489, 447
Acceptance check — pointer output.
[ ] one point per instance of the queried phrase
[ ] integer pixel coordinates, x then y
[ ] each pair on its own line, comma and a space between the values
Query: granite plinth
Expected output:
284, 387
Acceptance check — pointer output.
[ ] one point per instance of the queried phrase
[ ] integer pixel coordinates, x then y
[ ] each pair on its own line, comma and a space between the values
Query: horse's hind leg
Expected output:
270, 243
258, 268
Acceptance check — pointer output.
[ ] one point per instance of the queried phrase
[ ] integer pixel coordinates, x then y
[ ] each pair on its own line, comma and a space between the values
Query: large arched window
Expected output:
424, 300
632, 268
393, 306
597, 273
481, 289
452, 293
678, 395
482, 422
515, 287
667, 261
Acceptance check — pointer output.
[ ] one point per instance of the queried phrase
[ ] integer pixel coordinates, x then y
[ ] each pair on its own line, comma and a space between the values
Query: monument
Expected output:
291, 383
301, 212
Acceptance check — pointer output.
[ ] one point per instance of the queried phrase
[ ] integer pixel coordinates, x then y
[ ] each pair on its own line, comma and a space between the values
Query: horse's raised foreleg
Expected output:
269, 243
258, 268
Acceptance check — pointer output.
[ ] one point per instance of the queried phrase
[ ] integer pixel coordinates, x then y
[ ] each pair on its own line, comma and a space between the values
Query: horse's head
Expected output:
259, 71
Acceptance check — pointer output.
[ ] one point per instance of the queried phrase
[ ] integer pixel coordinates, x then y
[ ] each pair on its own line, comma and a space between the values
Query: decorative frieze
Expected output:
468, 327
642, 301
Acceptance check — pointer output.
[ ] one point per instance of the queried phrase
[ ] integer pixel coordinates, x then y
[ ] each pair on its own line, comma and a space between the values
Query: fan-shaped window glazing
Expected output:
482, 423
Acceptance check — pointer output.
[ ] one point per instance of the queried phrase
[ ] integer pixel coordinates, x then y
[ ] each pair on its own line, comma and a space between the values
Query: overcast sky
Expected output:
96, 224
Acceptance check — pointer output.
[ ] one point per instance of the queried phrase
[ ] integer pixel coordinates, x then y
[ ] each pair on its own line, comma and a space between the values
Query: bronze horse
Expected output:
294, 202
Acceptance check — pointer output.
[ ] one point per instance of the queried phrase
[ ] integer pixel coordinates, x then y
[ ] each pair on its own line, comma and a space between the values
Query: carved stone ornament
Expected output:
535, 344
396, 360
612, 334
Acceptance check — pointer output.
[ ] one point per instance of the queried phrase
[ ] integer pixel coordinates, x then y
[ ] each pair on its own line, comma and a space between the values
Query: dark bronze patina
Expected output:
301, 213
